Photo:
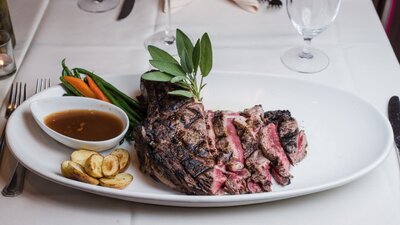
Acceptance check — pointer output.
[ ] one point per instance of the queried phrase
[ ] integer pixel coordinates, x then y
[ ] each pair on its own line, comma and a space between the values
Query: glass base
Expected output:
292, 60
162, 41
97, 6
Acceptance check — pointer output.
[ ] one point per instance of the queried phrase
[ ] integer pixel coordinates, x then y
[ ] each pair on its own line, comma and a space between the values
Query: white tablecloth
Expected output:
362, 62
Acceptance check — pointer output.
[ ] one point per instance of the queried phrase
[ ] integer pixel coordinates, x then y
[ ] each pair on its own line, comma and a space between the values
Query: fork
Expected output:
14, 100
272, 3
16, 185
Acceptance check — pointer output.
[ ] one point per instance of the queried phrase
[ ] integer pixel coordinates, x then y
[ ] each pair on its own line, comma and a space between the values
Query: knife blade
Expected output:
126, 9
394, 118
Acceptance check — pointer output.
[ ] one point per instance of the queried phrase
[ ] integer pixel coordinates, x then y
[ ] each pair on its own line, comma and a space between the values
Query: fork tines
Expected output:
42, 84
274, 3
16, 97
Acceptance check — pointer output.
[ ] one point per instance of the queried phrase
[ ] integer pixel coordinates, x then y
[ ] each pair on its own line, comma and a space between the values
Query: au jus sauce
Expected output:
87, 125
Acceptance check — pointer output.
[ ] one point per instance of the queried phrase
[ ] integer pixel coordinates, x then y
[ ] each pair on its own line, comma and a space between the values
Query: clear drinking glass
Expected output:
310, 18
97, 6
164, 39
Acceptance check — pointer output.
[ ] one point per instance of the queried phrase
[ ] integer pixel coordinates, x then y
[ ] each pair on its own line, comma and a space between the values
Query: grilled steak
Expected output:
292, 139
214, 152
172, 142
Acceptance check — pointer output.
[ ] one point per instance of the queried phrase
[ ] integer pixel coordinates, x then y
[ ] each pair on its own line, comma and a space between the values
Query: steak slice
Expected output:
301, 152
259, 167
236, 183
293, 141
172, 142
273, 151
248, 126
228, 143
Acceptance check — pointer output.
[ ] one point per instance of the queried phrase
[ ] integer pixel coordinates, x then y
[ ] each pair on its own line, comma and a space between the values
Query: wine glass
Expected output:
97, 6
310, 18
164, 39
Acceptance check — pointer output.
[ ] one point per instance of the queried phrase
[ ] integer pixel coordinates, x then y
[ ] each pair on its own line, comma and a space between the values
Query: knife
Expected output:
126, 9
394, 118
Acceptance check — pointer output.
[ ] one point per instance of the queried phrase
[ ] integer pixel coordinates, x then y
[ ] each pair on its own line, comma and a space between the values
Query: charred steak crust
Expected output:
171, 142
214, 152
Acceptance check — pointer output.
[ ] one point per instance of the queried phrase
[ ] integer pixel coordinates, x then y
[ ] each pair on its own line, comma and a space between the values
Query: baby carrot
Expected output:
80, 86
96, 90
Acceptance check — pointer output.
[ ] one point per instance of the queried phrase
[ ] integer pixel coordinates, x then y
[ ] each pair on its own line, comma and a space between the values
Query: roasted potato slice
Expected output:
93, 166
123, 158
65, 169
80, 156
110, 166
76, 172
120, 181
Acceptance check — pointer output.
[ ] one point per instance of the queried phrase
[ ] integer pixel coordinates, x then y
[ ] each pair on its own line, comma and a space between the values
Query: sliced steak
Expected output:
301, 152
259, 167
236, 183
247, 127
273, 151
228, 143
254, 118
292, 139
212, 153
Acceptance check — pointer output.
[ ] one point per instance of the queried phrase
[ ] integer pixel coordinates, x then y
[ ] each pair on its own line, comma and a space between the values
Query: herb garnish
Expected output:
183, 73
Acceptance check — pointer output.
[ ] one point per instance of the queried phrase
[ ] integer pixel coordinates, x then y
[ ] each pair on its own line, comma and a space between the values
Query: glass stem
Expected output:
305, 54
169, 39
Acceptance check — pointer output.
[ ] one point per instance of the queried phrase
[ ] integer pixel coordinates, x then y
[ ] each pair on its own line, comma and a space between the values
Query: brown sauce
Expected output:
87, 125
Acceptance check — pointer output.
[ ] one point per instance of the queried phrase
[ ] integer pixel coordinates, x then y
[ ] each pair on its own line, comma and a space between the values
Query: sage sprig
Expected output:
183, 72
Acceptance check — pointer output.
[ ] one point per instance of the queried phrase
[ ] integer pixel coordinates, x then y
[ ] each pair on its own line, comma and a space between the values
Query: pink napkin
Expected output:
248, 5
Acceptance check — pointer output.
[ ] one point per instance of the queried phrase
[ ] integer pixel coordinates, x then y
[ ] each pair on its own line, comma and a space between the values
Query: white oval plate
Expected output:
347, 138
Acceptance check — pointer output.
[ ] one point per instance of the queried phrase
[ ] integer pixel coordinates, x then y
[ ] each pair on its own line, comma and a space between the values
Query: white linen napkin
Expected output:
248, 5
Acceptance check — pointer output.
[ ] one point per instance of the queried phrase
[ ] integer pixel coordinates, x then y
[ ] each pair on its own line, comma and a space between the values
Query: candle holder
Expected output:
7, 61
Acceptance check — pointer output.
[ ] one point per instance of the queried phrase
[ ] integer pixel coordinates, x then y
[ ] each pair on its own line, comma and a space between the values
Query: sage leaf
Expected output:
206, 59
186, 61
161, 55
183, 42
196, 56
183, 93
177, 79
156, 75
167, 67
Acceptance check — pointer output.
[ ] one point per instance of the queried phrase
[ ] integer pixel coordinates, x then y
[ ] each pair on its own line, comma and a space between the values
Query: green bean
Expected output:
66, 69
114, 101
110, 86
76, 73
125, 105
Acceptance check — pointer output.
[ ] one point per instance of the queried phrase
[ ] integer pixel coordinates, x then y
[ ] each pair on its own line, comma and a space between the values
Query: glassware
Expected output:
97, 6
5, 20
7, 61
310, 18
164, 39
